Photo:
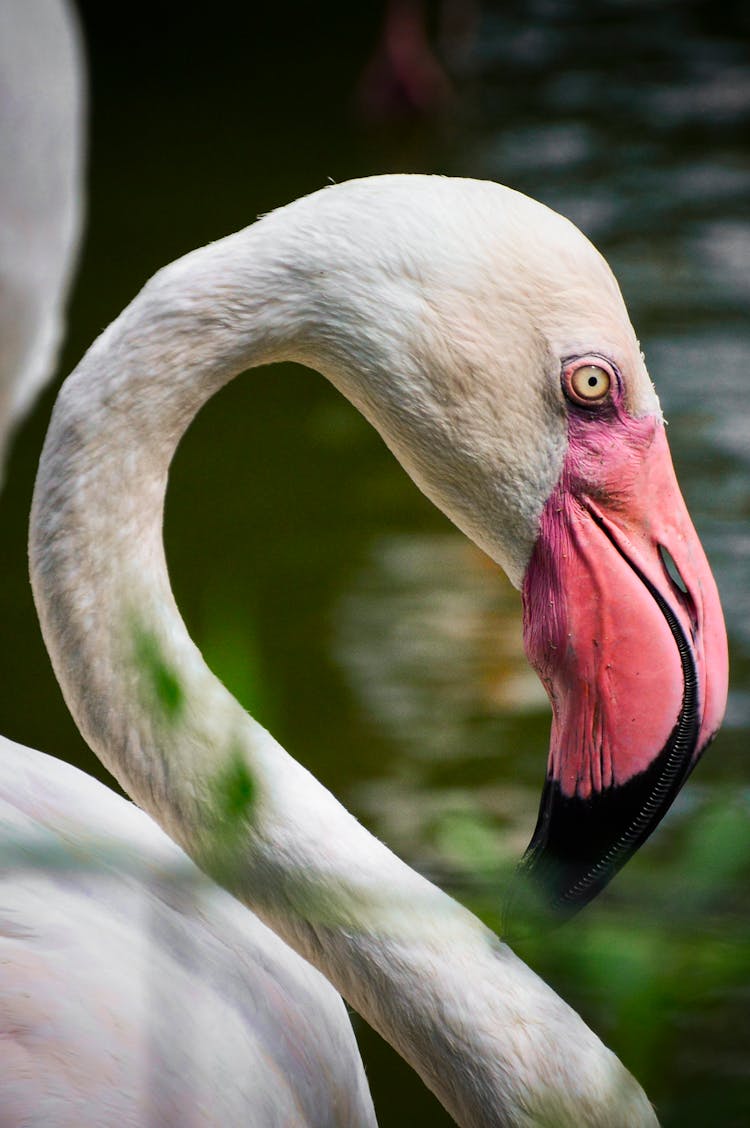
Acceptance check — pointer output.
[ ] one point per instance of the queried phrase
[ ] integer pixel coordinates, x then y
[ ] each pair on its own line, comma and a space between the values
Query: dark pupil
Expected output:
593, 381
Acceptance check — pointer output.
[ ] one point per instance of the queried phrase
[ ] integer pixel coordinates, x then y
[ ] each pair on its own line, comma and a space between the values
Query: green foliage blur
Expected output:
662, 956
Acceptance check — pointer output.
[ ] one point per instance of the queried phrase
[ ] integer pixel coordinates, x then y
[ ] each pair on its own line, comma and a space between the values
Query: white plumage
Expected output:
135, 991
436, 307
41, 144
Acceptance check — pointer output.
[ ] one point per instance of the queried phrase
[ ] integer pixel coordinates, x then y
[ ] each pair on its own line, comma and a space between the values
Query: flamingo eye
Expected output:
587, 383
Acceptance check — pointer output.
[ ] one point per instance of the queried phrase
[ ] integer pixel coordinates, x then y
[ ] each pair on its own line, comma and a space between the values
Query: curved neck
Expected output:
421, 969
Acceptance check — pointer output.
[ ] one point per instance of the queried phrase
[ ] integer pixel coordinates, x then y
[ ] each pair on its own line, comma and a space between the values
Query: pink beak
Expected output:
622, 621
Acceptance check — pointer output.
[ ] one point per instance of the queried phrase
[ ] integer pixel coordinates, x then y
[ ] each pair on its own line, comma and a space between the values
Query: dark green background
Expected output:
326, 592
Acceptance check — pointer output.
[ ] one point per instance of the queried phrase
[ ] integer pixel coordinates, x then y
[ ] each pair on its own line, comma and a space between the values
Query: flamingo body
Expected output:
134, 991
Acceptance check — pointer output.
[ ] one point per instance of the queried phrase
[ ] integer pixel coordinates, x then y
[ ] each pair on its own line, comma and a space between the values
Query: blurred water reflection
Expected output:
381, 649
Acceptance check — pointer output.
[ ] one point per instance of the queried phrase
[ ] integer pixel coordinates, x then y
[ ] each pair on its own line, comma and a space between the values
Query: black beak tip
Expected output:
577, 847
579, 844
565, 865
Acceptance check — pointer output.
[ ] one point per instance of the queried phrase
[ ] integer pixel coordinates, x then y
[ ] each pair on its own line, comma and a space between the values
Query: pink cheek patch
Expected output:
604, 651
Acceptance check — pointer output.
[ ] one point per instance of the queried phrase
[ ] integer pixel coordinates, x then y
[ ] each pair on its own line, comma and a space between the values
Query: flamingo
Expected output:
133, 990
487, 341
41, 163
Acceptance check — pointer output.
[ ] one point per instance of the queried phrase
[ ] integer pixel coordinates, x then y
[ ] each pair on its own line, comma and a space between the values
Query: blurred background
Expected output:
379, 647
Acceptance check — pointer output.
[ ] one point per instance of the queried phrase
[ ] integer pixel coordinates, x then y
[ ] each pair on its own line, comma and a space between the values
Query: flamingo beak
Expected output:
622, 621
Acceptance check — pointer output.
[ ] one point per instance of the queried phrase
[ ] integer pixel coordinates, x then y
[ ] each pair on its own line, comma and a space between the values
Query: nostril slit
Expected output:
672, 570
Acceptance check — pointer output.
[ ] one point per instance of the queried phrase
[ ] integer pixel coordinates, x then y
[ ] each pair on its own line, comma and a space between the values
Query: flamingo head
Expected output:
525, 411
623, 624
622, 619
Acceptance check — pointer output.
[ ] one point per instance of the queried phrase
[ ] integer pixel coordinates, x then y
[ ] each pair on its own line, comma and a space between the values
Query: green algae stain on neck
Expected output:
234, 788
160, 684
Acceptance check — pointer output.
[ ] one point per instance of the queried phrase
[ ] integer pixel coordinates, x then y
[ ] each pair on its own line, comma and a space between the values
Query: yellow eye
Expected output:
590, 382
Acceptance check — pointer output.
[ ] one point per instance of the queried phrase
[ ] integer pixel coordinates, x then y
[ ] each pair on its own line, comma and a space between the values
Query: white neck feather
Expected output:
486, 1035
